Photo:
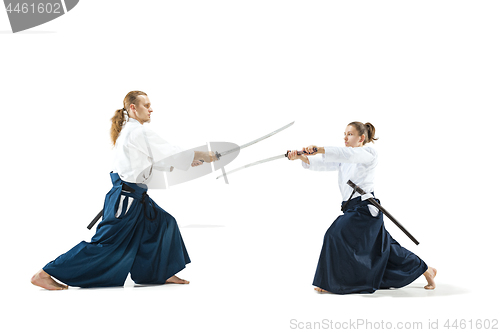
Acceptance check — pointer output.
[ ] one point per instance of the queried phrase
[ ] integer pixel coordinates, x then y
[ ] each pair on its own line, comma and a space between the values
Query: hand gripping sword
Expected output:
376, 204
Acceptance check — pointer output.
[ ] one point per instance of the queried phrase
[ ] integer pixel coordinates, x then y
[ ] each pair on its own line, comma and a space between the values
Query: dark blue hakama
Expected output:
360, 256
144, 240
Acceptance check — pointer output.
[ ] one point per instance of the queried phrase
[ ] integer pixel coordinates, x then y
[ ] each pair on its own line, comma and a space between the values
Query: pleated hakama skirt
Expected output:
360, 256
136, 236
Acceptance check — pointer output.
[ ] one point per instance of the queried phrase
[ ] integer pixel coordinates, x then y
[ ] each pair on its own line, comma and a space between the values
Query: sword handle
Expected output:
303, 152
94, 221
356, 187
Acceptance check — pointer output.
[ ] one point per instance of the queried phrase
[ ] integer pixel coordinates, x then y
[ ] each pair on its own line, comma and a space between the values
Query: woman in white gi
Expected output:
135, 236
358, 254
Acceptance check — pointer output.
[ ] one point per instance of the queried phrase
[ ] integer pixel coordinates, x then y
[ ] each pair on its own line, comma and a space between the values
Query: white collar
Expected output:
132, 120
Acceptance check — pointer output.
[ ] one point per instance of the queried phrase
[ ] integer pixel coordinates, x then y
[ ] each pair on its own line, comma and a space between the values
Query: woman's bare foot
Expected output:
176, 280
321, 290
430, 274
44, 280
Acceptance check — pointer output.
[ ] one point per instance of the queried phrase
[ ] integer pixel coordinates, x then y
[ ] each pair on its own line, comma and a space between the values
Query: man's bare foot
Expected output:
430, 274
321, 290
44, 280
176, 280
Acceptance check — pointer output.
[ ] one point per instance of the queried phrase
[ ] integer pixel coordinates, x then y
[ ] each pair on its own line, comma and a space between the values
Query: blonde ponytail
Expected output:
117, 123
119, 118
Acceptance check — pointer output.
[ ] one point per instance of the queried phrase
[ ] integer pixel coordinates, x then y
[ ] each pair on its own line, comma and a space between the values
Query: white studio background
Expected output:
424, 73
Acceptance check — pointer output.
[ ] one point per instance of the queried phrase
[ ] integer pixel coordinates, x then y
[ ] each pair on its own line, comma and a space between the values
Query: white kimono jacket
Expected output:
138, 150
355, 164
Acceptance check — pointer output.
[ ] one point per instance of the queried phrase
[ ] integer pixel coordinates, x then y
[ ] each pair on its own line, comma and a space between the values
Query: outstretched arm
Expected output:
313, 163
310, 150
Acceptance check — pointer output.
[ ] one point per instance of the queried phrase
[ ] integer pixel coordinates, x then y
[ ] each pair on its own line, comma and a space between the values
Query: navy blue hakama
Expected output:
138, 238
360, 256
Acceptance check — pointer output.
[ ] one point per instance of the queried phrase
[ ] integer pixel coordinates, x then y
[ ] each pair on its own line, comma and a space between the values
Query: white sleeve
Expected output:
163, 154
318, 163
349, 155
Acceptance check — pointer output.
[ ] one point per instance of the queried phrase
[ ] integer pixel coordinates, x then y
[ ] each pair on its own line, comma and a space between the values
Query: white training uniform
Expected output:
138, 150
355, 164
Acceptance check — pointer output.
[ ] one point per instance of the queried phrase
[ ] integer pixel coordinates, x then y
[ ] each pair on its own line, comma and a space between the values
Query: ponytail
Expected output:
367, 129
370, 137
121, 116
117, 123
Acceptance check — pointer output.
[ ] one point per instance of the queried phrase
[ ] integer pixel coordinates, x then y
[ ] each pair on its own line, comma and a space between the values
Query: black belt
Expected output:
345, 203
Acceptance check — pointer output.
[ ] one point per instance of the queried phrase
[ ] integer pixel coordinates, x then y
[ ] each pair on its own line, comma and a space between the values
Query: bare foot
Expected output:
321, 290
176, 280
44, 280
430, 274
